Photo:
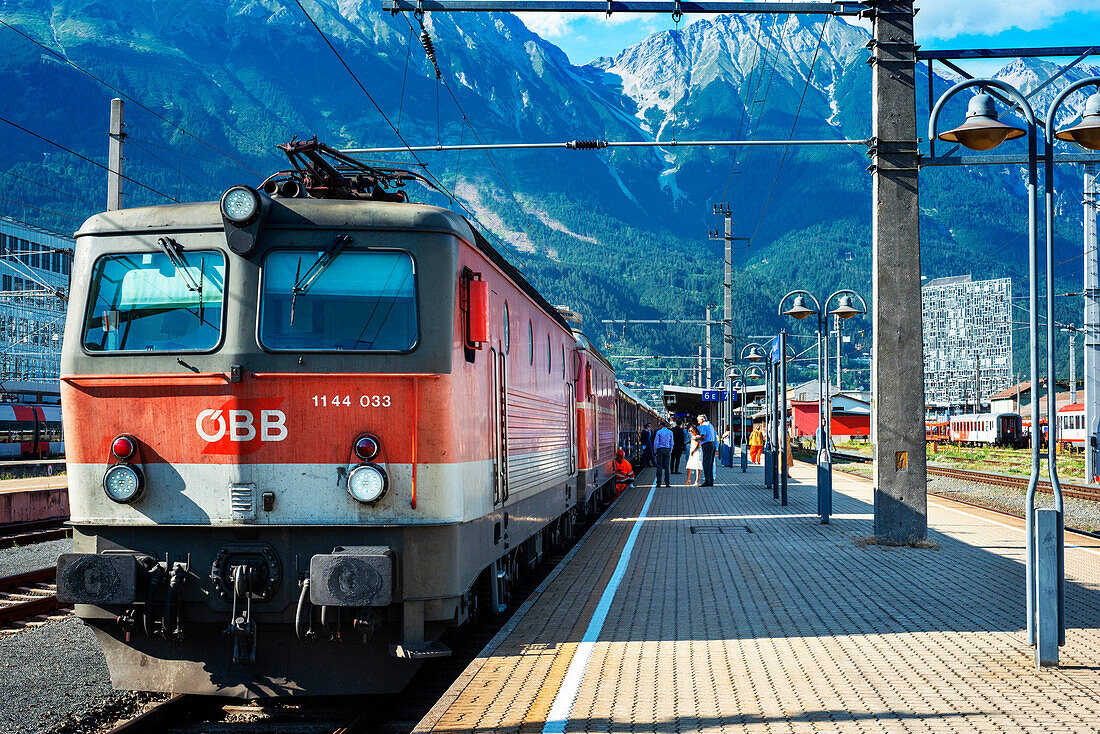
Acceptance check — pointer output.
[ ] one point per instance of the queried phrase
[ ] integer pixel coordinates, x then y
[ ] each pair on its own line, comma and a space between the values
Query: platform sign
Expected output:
775, 350
714, 396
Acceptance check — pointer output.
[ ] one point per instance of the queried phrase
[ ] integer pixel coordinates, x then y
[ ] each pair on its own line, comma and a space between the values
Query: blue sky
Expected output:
940, 24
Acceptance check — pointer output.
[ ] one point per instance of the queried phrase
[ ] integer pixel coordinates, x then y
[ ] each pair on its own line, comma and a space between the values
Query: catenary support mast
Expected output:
897, 377
114, 157
1092, 325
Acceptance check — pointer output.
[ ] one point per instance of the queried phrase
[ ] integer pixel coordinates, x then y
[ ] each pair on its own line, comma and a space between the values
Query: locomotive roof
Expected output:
307, 212
206, 215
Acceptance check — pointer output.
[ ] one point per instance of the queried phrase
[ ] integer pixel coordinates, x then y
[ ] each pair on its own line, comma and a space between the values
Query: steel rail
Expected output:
23, 533
599, 145
13, 610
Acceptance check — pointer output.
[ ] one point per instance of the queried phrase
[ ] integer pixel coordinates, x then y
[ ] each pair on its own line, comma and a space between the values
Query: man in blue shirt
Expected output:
662, 448
709, 442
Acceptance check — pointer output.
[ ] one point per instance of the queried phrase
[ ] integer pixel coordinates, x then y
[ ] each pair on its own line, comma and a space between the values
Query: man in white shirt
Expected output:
709, 443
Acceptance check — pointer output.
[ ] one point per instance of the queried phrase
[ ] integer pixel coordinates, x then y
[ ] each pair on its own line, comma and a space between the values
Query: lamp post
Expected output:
1045, 528
742, 373
1086, 134
753, 352
845, 309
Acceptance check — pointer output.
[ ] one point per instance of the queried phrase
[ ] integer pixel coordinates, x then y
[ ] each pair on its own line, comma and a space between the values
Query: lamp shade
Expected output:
756, 354
1087, 132
799, 309
845, 309
982, 130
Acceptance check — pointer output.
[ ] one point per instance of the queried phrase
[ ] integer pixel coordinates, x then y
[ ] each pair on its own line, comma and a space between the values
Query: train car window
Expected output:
563, 361
141, 302
359, 302
507, 330
530, 342
549, 354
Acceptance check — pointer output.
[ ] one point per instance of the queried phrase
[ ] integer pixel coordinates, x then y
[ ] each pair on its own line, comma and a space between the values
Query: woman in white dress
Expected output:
695, 457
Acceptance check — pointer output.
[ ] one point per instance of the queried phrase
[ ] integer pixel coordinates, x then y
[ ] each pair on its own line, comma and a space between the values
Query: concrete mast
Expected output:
901, 490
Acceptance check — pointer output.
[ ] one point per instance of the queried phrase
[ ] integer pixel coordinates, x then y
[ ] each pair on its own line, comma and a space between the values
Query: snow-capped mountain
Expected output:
244, 75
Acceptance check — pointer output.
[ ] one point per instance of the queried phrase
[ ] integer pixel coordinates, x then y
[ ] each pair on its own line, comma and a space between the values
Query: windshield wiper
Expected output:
172, 250
305, 281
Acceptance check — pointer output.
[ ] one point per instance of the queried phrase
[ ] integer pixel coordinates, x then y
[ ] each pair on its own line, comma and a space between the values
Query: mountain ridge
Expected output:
618, 233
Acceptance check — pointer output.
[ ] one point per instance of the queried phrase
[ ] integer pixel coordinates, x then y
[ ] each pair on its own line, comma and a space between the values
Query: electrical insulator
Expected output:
429, 49
586, 144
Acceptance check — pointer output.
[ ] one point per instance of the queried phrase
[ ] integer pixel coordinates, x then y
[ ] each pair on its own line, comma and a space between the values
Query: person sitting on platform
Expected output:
624, 472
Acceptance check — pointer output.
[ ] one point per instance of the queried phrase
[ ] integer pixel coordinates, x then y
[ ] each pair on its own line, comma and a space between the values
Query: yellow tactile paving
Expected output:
793, 627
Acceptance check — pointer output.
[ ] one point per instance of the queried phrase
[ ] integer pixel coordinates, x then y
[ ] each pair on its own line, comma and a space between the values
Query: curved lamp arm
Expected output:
749, 346
1048, 126
1008, 89
847, 292
799, 292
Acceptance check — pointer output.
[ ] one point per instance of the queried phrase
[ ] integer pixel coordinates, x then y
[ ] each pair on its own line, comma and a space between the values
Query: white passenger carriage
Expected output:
987, 429
1071, 427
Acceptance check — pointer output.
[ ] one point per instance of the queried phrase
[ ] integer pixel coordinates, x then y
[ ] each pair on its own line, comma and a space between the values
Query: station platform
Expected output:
713, 609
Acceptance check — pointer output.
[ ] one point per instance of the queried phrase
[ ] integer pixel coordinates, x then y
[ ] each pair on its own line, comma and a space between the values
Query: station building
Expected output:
851, 412
34, 286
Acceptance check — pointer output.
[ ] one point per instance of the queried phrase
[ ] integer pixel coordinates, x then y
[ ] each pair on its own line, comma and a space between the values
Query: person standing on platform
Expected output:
756, 444
709, 443
662, 448
694, 464
647, 447
678, 442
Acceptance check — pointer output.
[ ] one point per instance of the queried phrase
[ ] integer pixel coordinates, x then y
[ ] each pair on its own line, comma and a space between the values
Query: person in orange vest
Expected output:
624, 472
756, 444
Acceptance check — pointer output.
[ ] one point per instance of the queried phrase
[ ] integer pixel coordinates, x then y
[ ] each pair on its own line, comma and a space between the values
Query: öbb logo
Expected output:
241, 426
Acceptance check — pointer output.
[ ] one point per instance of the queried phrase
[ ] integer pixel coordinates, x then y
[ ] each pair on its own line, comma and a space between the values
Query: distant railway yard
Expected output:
992, 477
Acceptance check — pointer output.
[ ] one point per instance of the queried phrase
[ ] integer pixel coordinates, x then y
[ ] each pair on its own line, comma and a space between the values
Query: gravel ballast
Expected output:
49, 674
32, 557
1080, 514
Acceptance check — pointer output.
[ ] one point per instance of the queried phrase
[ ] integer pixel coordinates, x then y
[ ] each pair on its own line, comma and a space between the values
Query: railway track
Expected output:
1077, 491
26, 533
27, 595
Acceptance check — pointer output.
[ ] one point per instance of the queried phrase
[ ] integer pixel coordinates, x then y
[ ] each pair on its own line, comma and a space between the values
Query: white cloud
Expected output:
559, 25
548, 25
944, 19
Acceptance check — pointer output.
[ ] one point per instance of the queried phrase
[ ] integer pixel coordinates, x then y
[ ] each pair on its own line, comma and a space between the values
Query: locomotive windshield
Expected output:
360, 301
145, 302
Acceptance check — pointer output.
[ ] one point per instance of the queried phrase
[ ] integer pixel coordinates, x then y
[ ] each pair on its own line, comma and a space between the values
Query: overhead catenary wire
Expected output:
467, 122
129, 97
85, 158
794, 124
426, 172
593, 144
172, 166
40, 209
751, 91
51, 188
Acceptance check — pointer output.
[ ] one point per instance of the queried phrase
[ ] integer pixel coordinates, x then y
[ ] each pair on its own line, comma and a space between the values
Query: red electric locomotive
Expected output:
310, 428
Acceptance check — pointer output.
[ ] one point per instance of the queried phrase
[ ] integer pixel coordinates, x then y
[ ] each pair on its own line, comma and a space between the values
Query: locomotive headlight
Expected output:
240, 204
367, 483
123, 483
